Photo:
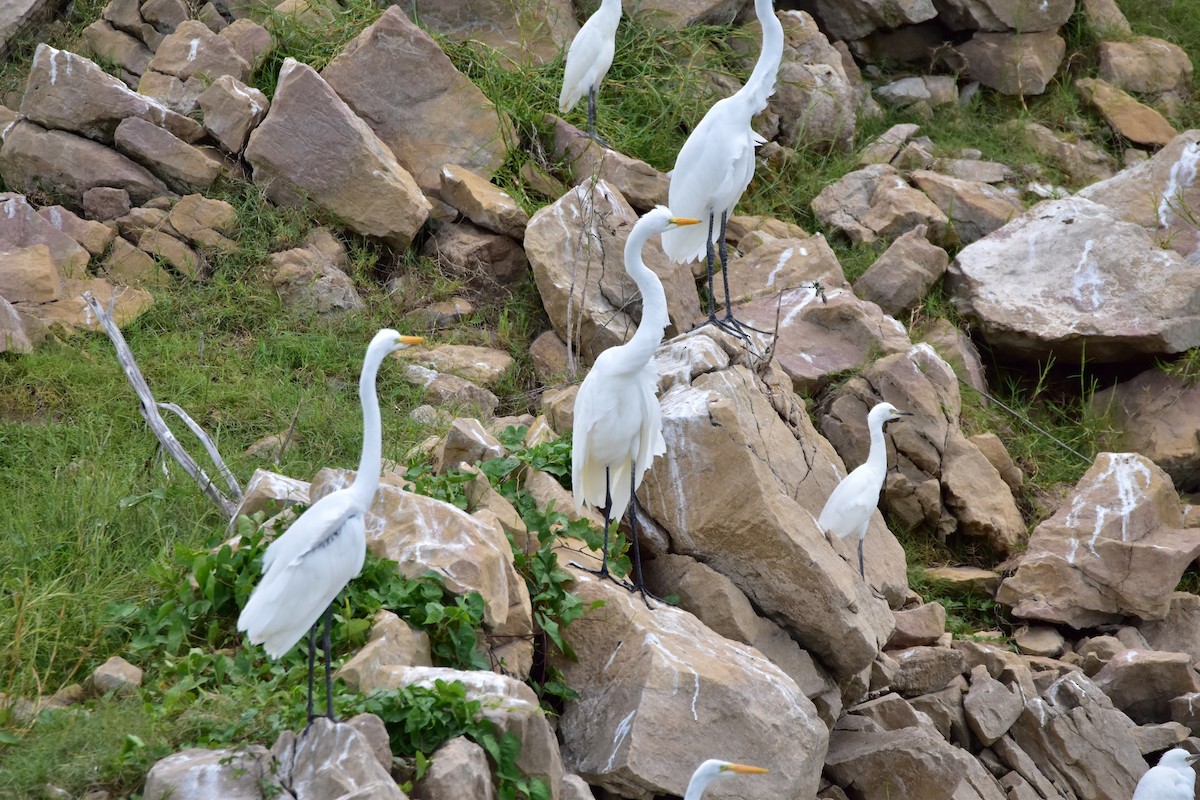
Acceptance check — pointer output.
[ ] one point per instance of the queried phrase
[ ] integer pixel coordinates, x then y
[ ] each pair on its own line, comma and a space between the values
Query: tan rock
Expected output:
13, 336
1179, 631
181, 258
68, 92
436, 116
251, 40
458, 769
195, 212
586, 161
1015, 63
231, 110
32, 158
1039, 640
1144, 64
307, 280
195, 773
393, 642
1136, 122
918, 626
891, 712
1083, 160
778, 265
451, 392
549, 355
901, 277
341, 166
182, 167
974, 209
1115, 548
1142, 682
587, 301
116, 47
482, 202
21, 226
981, 583
945, 709
922, 670
194, 49
116, 676
179, 96
1005, 15
467, 442
91, 235
29, 275
332, 760
128, 265
270, 490
884, 147
105, 203
478, 258
1105, 19
991, 708
638, 674
875, 202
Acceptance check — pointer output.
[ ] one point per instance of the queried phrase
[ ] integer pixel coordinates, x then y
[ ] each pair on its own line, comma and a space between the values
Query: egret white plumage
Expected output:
716, 163
1174, 778
306, 567
848, 509
712, 769
618, 423
588, 59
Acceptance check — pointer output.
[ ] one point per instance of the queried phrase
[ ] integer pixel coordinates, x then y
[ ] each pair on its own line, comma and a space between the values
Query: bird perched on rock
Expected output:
306, 567
848, 509
1173, 778
618, 423
588, 59
716, 163
712, 769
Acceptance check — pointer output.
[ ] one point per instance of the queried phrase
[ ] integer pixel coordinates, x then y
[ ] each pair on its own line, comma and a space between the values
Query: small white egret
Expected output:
618, 423
716, 163
588, 59
1173, 778
306, 567
848, 509
712, 769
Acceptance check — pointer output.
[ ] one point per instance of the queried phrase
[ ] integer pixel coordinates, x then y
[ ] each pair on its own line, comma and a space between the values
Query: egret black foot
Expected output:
741, 326
734, 329
596, 138
604, 573
645, 595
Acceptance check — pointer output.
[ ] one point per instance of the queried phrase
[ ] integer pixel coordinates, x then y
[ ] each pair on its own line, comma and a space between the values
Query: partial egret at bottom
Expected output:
1173, 778
712, 769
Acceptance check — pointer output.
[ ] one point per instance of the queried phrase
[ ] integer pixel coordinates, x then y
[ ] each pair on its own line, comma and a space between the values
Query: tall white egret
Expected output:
1173, 778
588, 59
716, 163
712, 769
848, 509
306, 567
618, 423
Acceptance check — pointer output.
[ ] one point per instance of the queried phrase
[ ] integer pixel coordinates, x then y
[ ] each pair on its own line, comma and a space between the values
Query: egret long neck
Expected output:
610, 12
696, 787
370, 464
877, 457
649, 333
761, 83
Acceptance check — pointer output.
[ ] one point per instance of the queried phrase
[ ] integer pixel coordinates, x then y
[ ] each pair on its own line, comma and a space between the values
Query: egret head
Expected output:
715, 769
661, 219
885, 412
1178, 758
388, 340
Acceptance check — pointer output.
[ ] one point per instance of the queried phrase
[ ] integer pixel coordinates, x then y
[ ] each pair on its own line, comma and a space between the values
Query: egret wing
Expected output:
304, 576
850, 504
588, 59
587, 474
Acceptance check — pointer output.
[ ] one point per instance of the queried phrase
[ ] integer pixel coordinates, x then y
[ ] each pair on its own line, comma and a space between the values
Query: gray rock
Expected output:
1021, 63
21, 226
923, 670
332, 760
117, 47
117, 676
974, 209
856, 19
901, 277
197, 774
990, 707
182, 167
307, 280
1005, 15
874, 203
1076, 257
478, 258
459, 769
527, 33
1142, 682
922, 625
193, 49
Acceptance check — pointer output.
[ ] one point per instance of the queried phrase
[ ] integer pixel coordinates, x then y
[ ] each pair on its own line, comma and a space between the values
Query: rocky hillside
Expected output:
278, 182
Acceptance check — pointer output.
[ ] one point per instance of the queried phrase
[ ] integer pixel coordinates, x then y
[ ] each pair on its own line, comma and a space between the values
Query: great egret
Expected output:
716, 163
306, 567
618, 424
588, 59
712, 769
1172, 779
848, 509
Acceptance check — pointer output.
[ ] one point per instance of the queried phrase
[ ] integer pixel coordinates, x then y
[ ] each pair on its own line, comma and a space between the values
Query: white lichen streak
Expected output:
249, 98
783, 259
1130, 478
1087, 280
1179, 180
798, 299
612, 657
682, 407
10, 208
619, 739
193, 48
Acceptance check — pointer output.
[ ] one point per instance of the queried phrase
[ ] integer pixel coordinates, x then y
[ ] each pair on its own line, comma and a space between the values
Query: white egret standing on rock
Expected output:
712, 769
1173, 778
618, 423
716, 163
588, 59
306, 567
848, 509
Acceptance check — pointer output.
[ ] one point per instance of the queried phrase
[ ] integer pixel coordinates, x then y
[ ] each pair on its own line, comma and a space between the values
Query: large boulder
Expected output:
21, 226
1070, 277
1005, 15
312, 147
198, 774
68, 92
576, 248
526, 33
1116, 548
857, 18
646, 679
435, 116
722, 420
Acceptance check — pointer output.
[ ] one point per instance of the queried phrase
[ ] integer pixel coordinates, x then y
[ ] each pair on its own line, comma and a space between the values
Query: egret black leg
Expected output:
861, 569
729, 319
328, 671
708, 262
639, 585
603, 571
312, 662
593, 105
